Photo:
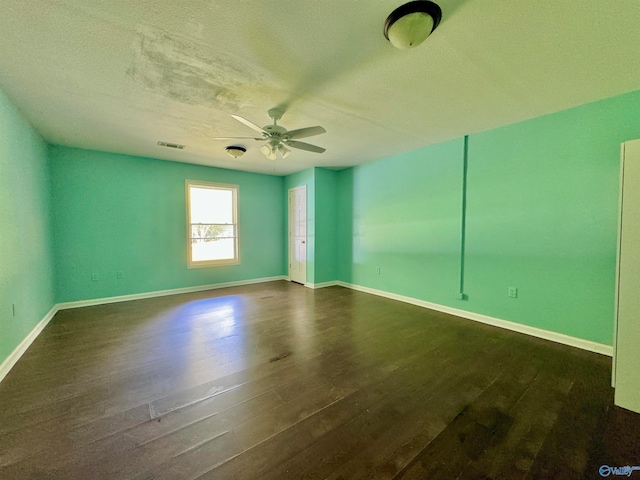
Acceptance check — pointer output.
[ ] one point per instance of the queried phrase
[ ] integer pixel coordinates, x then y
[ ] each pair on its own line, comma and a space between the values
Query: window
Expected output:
212, 224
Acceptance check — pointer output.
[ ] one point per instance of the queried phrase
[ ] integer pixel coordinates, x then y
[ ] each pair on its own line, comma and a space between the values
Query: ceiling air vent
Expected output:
171, 145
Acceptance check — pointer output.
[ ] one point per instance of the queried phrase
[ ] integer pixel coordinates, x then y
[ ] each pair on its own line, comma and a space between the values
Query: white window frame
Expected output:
217, 186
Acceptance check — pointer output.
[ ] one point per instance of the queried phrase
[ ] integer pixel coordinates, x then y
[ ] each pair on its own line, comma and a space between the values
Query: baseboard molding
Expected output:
496, 322
163, 293
15, 355
22, 347
321, 284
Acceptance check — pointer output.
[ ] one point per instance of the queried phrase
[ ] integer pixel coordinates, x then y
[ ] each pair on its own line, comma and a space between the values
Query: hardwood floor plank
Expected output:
361, 433
195, 461
335, 416
574, 448
276, 381
403, 441
151, 443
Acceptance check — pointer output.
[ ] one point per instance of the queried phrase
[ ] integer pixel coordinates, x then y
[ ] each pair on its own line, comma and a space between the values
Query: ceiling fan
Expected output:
279, 138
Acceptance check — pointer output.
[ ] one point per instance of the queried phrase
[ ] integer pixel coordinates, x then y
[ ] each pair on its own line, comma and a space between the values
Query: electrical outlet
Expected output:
512, 292
94, 277
378, 270
119, 275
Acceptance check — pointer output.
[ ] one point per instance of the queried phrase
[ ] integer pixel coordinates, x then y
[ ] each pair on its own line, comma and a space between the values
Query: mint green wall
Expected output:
322, 224
120, 213
326, 227
344, 217
26, 274
306, 178
406, 221
541, 217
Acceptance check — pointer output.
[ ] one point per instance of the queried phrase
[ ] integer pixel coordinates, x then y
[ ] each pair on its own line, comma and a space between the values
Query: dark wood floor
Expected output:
276, 381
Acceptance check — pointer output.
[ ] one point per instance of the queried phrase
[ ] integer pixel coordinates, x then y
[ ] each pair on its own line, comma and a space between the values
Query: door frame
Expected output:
291, 247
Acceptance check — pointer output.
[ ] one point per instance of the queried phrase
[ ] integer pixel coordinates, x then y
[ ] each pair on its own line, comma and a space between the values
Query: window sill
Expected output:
212, 263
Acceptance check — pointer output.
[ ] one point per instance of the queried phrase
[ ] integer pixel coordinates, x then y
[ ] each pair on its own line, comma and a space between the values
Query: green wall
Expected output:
406, 222
542, 203
344, 218
326, 225
116, 213
541, 216
322, 224
26, 274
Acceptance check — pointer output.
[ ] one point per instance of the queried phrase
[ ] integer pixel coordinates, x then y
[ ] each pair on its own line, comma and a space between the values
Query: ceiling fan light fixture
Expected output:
410, 24
235, 151
284, 151
266, 150
278, 138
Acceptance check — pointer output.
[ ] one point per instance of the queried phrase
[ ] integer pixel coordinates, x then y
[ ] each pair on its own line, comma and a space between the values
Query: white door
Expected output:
298, 234
627, 341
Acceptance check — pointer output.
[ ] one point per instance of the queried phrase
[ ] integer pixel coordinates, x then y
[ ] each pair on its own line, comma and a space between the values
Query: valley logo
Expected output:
626, 471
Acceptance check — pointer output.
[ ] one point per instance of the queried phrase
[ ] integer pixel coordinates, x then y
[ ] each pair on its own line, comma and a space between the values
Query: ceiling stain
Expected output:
101, 76
188, 72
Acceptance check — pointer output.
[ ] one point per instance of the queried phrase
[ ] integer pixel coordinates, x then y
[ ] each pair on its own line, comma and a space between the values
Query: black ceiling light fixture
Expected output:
410, 24
235, 151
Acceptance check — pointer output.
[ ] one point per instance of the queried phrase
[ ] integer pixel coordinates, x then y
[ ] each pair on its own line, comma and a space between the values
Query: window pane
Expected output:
209, 205
222, 249
212, 228
212, 231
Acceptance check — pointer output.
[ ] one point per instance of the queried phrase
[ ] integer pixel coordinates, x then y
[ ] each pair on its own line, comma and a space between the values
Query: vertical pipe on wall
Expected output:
465, 160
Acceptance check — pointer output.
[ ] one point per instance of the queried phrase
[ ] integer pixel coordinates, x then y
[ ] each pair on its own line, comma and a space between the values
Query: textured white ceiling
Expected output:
119, 75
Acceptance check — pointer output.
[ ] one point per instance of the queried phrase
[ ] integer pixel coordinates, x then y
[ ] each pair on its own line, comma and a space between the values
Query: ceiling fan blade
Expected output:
304, 146
306, 132
237, 138
249, 124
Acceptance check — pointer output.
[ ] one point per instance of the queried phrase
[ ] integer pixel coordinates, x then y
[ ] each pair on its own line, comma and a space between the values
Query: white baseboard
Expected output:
22, 347
163, 293
14, 356
497, 322
321, 284
600, 348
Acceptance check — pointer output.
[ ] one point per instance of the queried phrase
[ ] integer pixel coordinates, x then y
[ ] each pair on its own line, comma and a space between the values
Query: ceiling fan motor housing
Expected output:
278, 138
275, 129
